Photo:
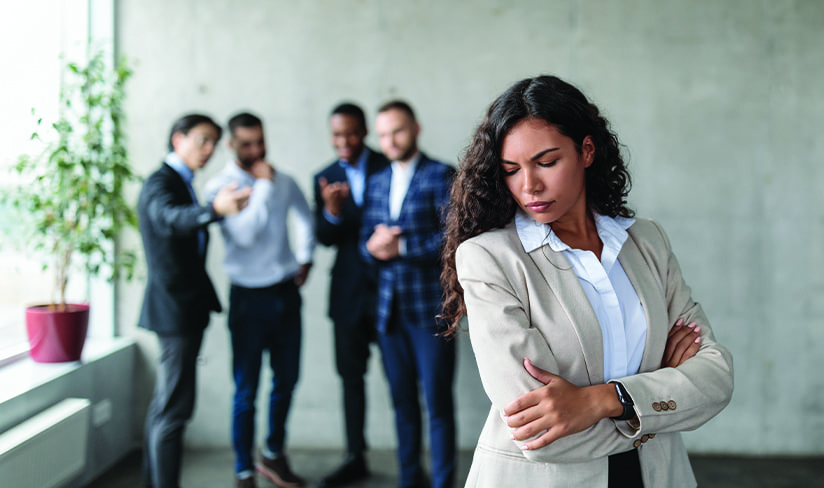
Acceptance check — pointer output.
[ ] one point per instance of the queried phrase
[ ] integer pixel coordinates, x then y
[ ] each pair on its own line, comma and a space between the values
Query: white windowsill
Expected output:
13, 354
25, 374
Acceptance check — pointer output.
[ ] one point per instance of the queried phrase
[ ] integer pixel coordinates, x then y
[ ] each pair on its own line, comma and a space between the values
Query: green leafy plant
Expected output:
68, 201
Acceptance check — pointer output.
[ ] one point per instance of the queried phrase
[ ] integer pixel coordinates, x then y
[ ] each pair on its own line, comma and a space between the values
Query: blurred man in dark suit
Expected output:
339, 191
179, 295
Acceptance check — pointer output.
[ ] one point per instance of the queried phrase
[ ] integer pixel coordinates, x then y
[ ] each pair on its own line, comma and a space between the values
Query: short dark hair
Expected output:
353, 111
244, 119
188, 122
398, 105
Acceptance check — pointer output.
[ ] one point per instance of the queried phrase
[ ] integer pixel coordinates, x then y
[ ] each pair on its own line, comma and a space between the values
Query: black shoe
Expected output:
353, 469
246, 483
278, 472
422, 482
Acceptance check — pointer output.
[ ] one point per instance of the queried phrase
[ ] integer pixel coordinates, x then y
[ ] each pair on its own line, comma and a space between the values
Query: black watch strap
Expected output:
626, 402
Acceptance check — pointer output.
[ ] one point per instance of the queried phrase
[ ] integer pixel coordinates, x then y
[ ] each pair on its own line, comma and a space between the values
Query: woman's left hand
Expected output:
557, 409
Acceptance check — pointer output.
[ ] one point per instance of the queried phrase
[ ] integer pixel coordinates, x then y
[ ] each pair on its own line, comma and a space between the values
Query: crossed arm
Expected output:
555, 420
559, 408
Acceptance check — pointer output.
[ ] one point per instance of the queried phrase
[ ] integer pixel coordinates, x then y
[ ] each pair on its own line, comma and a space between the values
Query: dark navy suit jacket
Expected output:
354, 281
179, 294
413, 280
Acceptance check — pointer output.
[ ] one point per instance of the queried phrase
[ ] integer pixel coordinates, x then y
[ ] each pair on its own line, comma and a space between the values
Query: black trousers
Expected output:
352, 342
625, 470
171, 408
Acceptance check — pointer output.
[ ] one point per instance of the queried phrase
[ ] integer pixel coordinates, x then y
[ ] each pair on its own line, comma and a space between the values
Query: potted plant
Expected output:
69, 201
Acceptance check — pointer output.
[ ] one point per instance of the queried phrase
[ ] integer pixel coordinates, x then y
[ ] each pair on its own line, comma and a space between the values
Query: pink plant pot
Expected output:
57, 335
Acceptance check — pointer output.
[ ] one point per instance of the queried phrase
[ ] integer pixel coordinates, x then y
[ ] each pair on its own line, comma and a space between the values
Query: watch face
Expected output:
623, 396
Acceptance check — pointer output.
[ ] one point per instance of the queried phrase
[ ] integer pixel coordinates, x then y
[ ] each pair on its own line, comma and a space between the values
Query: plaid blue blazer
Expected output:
411, 280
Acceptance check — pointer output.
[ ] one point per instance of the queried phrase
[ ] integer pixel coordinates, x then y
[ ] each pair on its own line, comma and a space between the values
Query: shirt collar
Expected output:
177, 164
410, 167
533, 234
361, 162
233, 167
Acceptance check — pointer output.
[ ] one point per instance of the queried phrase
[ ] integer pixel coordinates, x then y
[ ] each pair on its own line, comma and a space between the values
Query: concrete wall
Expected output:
719, 104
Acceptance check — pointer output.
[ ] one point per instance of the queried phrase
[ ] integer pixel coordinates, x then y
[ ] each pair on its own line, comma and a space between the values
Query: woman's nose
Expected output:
532, 184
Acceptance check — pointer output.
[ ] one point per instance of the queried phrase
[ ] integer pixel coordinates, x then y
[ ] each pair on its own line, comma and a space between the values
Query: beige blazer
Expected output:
532, 305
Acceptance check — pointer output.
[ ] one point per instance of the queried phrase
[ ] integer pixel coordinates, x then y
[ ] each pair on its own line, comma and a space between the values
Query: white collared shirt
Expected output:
611, 294
257, 239
401, 178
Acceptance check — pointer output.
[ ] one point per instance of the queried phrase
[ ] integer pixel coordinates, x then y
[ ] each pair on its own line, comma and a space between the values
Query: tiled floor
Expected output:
213, 469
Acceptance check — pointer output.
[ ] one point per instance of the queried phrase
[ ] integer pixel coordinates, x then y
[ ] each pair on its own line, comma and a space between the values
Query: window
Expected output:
39, 35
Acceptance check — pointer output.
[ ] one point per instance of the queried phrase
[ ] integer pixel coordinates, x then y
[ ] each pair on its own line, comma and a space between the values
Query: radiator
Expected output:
47, 450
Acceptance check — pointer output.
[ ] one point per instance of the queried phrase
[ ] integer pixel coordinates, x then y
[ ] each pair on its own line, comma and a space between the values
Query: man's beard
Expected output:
408, 153
247, 163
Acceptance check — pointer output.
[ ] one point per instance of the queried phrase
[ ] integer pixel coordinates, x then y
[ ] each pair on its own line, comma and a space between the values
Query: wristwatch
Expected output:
626, 402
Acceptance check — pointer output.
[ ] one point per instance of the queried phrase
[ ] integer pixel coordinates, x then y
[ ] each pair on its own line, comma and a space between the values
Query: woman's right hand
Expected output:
683, 341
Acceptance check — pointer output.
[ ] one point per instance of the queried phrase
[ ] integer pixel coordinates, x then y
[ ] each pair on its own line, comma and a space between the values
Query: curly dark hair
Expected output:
479, 198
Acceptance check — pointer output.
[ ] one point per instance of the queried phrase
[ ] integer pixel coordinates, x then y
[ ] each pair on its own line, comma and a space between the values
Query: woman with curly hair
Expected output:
588, 342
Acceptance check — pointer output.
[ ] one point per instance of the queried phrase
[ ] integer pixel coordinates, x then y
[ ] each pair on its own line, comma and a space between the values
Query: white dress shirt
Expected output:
257, 238
401, 178
611, 294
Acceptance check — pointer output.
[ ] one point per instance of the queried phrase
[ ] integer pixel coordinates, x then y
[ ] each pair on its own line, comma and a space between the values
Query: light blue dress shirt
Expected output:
611, 294
356, 177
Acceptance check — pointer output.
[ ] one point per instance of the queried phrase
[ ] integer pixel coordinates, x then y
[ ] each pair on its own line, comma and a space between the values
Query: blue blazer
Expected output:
412, 280
354, 281
179, 294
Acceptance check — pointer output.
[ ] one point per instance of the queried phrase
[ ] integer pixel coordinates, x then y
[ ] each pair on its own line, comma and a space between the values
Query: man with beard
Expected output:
264, 301
402, 233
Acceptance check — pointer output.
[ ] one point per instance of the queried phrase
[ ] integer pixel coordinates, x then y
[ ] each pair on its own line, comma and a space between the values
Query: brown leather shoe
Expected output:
246, 483
278, 472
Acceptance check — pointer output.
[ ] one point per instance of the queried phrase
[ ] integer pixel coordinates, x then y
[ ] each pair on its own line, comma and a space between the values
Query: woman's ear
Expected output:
588, 151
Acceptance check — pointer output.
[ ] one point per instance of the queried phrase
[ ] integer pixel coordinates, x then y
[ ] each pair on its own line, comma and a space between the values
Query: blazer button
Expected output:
644, 438
664, 406
671, 404
652, 436
637, 443
656, 406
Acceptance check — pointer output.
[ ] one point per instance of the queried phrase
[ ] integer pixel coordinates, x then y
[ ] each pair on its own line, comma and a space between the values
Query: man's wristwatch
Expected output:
626, 402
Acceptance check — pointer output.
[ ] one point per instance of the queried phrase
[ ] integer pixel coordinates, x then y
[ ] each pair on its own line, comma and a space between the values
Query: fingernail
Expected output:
525, 447
698, 339
512, 436
679, 322
691, 325
698, 329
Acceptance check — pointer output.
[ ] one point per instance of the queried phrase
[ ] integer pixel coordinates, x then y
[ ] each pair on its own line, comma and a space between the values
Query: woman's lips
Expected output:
538, 206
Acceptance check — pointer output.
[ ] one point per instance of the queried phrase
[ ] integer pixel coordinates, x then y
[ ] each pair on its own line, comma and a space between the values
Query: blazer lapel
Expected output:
382, 183
646, 287
182, 187
414, 184
563, 283
337, 174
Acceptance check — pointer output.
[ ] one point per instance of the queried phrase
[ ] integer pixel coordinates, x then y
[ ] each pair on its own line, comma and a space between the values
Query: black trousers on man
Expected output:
351, 358
171, 408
